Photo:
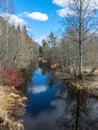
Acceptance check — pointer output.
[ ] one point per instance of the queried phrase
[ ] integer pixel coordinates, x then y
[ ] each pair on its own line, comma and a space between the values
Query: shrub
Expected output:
12, 76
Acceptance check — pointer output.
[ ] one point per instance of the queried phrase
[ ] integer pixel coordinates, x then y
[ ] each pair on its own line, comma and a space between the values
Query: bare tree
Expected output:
82, 22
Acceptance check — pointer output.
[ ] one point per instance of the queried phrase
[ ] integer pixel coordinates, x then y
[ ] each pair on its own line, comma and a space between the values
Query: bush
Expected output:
12, 76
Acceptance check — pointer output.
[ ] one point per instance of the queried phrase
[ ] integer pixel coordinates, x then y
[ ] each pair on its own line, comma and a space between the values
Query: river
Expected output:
52, 105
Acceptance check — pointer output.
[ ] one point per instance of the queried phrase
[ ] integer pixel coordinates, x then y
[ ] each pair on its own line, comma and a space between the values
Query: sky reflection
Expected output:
55, 108
46, 120
39, 89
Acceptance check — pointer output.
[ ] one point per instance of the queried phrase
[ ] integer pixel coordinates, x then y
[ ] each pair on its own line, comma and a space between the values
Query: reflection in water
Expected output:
37, 89
53, 105
81, 112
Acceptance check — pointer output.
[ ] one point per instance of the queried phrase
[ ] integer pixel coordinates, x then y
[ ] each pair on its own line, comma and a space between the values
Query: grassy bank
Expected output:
12, 105
88, 82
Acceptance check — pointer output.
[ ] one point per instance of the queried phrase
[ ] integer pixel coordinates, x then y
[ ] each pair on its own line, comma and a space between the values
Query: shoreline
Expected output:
88, 83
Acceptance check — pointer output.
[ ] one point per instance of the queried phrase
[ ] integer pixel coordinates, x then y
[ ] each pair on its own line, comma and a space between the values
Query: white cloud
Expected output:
22, 14
94, 2
64, 3
61, 3
65, 12
39, 89
37, 16
14, 20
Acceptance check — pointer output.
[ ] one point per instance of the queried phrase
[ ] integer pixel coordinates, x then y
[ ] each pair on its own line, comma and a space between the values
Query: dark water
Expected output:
52, 105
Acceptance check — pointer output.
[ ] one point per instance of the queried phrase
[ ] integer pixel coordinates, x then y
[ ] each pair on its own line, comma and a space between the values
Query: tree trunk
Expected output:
80, 40
80, 59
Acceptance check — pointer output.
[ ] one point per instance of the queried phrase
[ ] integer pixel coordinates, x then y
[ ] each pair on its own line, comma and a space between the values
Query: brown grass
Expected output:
12, 105
88, 83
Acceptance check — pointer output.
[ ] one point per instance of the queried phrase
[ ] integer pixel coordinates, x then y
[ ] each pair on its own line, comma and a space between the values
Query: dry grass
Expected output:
88, 83
62, 75
12, 104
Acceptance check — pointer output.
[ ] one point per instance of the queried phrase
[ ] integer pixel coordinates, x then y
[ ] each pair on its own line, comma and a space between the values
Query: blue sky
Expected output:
39, 29
40, 16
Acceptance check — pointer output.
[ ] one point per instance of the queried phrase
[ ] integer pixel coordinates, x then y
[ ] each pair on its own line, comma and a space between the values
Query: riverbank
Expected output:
12, 99
12, 106
88, 83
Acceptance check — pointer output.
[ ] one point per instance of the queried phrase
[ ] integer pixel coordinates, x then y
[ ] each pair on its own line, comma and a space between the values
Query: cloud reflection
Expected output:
46, 120
39, 89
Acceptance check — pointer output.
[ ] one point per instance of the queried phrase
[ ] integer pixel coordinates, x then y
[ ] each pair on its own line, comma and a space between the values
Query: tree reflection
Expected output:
79, 111
47, 70
43, 67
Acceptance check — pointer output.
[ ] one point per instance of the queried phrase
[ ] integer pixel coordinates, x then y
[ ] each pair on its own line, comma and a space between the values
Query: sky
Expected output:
40, 16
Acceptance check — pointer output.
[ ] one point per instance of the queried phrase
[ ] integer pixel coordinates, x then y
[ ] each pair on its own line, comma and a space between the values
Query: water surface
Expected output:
52, 105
